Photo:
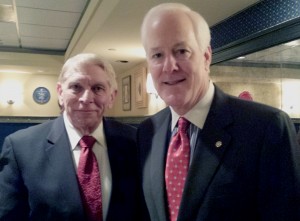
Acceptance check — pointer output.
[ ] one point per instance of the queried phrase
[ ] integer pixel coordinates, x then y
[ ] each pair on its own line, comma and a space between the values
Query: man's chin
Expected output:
87, 114
173, 99
87, 118
85, 123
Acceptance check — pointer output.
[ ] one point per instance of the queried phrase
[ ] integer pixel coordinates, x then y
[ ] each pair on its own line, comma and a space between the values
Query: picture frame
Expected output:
140, 88
126, 93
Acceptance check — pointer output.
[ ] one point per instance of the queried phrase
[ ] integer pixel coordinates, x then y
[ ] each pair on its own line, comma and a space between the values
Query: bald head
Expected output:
166, 12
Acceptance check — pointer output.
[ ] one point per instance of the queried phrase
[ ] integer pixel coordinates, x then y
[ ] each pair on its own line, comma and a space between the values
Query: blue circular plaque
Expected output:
41, 95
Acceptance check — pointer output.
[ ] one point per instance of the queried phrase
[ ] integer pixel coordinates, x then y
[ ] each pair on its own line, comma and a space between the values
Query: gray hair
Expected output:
200, 26
83, 59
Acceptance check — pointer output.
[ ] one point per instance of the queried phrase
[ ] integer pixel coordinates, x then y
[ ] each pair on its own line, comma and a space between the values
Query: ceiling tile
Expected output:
8, 35
45, 31
44, 43
9, 41
47, 17
6, 2
8, 28
63, 5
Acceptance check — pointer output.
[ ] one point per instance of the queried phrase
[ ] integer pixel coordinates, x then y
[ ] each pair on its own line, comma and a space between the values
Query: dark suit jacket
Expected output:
253, 175
38, 180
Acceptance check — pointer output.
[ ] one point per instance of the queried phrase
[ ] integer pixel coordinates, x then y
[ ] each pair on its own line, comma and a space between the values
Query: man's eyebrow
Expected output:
155, 49
182, 43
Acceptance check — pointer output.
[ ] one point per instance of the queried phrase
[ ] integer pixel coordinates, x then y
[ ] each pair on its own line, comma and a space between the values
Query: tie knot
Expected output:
87, 141
183, 124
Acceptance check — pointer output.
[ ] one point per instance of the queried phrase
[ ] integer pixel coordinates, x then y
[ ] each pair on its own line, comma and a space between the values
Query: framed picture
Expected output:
126, 93
140, 88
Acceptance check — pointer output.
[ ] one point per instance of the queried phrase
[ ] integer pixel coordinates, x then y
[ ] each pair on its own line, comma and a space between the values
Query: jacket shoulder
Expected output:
121, 129
35, 130
157, 118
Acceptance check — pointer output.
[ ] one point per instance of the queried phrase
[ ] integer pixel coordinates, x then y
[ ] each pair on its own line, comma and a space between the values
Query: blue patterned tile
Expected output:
259, 17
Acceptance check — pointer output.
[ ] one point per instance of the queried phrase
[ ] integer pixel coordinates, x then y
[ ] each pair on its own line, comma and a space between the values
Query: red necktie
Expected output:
177, 167
89, 179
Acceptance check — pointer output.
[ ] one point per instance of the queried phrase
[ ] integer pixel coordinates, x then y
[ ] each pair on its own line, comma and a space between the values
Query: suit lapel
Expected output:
60, 160
210, 148
158, 153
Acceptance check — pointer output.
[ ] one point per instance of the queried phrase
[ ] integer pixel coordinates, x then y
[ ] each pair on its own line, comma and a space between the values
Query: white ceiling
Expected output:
40, 24
106, 27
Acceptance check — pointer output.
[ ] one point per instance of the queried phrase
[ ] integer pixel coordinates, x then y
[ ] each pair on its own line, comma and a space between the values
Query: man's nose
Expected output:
87, 96
170, 64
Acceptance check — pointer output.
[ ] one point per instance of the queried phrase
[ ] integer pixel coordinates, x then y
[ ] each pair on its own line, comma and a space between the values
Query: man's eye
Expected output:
157, 55
98, 89
76, 87
183, 53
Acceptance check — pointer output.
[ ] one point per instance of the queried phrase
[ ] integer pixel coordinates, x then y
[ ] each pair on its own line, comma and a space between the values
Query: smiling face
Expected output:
85, 94
180, 69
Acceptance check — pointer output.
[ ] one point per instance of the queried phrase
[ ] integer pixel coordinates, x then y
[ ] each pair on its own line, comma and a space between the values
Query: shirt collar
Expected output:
197, 115
75, 135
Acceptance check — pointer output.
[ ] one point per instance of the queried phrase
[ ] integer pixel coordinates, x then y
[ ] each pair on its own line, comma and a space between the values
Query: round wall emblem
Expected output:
41, 95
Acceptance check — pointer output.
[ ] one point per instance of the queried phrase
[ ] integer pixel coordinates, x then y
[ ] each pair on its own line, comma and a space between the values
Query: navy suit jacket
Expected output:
246, 165
38, 180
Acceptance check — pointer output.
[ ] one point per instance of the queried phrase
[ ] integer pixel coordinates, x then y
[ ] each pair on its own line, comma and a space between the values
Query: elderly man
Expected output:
80, 166
210, 156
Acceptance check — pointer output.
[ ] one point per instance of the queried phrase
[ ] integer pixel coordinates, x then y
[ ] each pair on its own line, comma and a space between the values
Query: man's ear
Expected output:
59, 94
112, 98
208, 57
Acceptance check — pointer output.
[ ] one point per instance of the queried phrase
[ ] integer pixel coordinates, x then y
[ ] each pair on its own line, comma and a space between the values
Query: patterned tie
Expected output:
177, 167
89, 179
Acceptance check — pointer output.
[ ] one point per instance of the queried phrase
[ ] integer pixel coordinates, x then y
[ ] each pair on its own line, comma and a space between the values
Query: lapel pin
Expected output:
218, 144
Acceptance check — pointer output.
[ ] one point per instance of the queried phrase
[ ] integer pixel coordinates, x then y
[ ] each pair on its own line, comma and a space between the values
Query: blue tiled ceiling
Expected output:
261, 16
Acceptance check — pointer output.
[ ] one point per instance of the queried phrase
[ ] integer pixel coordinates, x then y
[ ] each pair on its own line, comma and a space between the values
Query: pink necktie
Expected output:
177, 167
89, 179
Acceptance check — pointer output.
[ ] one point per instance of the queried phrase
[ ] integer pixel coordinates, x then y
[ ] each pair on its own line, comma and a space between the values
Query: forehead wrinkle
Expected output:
179, 44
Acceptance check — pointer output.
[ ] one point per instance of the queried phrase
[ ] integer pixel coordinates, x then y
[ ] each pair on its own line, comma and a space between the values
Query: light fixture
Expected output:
11, 91
10, 101
150, 86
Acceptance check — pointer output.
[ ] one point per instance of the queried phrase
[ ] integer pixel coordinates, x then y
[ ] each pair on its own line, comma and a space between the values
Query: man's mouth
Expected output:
174, 82
87, 111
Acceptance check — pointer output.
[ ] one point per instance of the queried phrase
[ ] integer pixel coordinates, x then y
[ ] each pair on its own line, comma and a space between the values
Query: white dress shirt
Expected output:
100, 151
196, 116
